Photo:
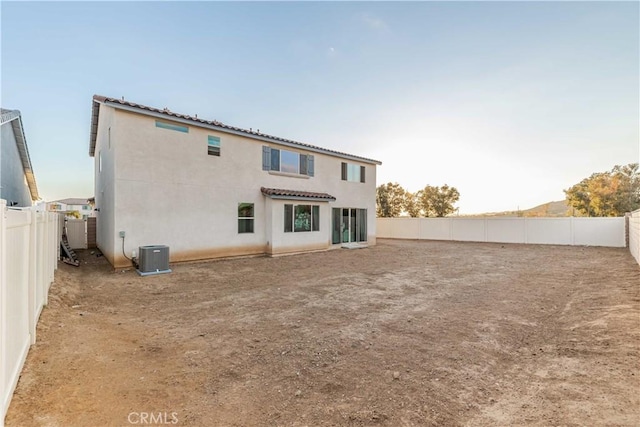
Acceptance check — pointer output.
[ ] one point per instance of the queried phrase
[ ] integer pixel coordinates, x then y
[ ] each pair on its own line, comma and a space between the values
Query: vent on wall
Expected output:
153, 259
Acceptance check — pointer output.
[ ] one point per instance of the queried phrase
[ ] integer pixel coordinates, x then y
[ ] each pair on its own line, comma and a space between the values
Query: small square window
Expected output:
213, 148
171, 126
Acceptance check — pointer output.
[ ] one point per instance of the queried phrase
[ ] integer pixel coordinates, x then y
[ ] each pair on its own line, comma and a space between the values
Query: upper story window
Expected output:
353, 172
278, 160
289, 161
213, 146
171, 126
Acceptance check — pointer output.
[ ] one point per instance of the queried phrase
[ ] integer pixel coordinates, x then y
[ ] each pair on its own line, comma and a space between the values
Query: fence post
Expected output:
55, 224
572, 231
3, 302
53, 251
627, 216
44, 274
486, 229
52, 248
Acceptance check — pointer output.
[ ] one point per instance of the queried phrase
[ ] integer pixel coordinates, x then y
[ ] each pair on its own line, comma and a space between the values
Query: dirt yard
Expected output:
402, 334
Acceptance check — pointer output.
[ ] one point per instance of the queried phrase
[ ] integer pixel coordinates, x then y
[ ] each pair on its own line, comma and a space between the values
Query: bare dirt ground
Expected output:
404, 333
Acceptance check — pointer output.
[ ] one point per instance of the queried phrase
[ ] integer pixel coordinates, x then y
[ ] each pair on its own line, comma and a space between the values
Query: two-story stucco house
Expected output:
17, 181
208, 190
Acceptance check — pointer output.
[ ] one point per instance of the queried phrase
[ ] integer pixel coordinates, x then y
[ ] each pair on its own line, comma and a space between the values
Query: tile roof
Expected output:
121, 103
72, 201
277, 193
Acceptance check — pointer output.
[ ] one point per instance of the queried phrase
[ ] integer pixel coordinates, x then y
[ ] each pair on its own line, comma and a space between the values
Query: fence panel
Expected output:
77, 233
15, 299
507, 230
599, 232
4, 383
405, 228
554, 231
5, 389
28, 259
466, 229
438, 229
550, 231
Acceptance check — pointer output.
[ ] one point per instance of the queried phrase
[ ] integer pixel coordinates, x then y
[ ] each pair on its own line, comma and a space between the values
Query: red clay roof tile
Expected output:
280, 193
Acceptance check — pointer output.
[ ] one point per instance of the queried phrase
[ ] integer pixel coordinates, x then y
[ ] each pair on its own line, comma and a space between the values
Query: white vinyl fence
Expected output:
553, 231
634, 234
28, 258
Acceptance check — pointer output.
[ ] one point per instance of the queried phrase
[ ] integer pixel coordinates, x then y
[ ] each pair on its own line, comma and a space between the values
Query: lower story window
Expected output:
299, 218
245, 218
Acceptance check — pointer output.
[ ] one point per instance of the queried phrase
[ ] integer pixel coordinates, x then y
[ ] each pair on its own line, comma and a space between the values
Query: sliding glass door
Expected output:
348, 225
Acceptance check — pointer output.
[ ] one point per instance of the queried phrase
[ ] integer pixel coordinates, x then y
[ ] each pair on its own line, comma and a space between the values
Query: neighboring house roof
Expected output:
15, 119
212, 124
276, 193
72, 201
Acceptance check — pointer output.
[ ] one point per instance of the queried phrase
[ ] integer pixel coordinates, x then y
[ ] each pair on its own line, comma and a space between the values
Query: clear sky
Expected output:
510, 102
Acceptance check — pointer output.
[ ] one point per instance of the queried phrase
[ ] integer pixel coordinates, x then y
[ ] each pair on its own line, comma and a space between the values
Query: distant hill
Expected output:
550, 209
559, 208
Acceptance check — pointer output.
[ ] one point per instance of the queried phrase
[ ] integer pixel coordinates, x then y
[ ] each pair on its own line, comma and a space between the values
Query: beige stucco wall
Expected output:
280, 243
169, 191
105, 185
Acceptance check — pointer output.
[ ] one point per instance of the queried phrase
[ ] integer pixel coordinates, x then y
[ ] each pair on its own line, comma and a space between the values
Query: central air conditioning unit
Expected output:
153, 259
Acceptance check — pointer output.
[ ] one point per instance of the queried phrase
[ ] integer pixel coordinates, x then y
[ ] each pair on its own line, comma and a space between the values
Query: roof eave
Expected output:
95, 112
275, 193
317, 199
23, 150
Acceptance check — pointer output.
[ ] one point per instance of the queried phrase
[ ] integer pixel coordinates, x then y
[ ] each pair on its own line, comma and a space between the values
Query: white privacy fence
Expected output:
634, 234
28, 258
554, 231
76, 233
